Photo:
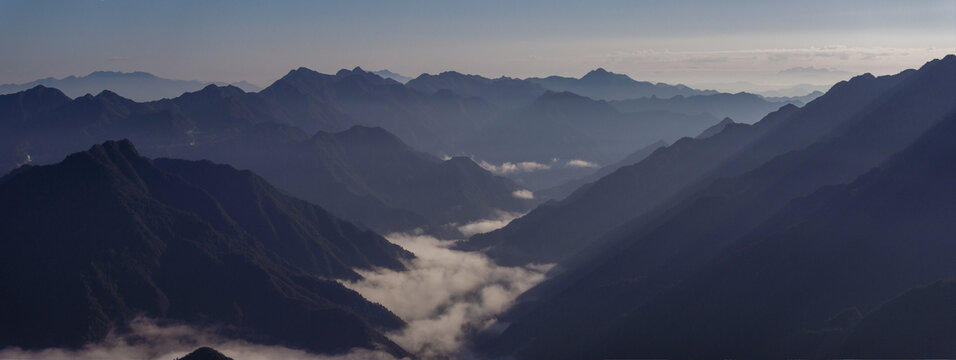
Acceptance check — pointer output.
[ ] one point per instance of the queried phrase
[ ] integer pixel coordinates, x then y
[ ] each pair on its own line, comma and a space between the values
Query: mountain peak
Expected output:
300, 71
214, 90
346, 72
106, 94
301, 75
37, 88
122, 147
44, 91
205, 353
32, 100
717, 128
600, 73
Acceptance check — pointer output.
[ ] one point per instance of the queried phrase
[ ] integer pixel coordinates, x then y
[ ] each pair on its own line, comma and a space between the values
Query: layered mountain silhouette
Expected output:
789, 229
139, 86
569, 126
391, 75
688, 165
370, 175
365, 174
775, 96
764, 253
604, 85
314, 101
107, 235
854, 246
742, 107
449, 113
503, 92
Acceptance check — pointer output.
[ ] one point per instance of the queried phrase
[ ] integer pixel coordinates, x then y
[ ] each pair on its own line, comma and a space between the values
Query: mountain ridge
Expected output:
137, 85
131, 239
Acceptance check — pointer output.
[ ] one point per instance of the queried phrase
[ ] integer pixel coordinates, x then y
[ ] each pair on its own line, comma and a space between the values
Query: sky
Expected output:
713, 44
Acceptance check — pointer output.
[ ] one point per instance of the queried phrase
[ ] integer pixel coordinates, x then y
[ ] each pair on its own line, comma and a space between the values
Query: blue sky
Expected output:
693, 42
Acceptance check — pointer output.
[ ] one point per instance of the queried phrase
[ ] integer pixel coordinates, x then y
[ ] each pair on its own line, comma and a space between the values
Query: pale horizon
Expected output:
729, 47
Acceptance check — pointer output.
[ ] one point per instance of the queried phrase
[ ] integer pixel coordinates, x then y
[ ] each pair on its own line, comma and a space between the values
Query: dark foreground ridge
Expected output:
787, 239
107, 235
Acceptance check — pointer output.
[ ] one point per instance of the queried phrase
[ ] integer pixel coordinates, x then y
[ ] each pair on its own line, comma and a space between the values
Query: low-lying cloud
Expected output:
486, 225
810, 70
445, 295
150, 341
510, 167
523, 194
577, 163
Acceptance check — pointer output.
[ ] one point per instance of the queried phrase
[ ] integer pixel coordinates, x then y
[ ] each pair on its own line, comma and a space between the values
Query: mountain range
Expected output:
742, 107
139, 86
677, 223
682, 168
107, 235
604, 85
304, 102
364, 174
792, 237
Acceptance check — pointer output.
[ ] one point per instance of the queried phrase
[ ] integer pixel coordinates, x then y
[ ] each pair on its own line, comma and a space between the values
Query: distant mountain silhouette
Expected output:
205, 353
390, 75
796, 99
449, 113
107, 235
778, 257
139, 86
364, 174
610, 201
430, 122
370, 175
604, 85
503, 92
569, 126
689, 164
742, 107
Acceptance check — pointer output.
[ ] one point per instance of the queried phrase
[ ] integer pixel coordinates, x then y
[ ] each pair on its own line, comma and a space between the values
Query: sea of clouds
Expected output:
445, 296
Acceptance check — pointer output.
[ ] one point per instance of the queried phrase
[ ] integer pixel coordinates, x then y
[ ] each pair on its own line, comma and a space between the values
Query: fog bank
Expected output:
445, 295
150, 341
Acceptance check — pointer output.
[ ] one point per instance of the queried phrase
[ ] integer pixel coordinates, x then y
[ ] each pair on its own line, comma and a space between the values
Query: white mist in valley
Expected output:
490, 224
446, 295
148, 340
